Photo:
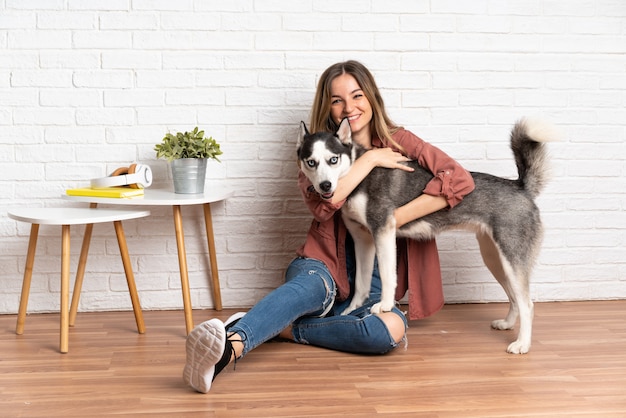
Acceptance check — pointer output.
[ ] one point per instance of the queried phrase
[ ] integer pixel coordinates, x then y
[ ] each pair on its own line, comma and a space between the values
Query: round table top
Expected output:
159, 197
74, 216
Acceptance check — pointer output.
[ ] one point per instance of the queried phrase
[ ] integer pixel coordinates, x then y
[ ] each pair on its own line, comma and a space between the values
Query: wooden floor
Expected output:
454, 366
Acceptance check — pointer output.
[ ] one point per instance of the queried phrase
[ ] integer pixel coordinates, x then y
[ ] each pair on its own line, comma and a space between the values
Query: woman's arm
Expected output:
451, 182
377, 157
323, 209
423, 205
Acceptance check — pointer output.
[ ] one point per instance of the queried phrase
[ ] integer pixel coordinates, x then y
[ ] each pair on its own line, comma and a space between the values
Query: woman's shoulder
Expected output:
404, 134
408, 141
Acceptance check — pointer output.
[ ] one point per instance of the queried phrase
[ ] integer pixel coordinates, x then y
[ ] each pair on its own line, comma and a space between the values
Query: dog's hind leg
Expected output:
493, 262
520, 293
365, 253
516, 287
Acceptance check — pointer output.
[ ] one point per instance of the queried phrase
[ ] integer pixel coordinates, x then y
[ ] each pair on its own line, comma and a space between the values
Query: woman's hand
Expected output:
387, 158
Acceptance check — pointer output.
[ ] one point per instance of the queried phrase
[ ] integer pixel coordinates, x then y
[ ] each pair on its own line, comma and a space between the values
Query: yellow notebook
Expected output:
119, 192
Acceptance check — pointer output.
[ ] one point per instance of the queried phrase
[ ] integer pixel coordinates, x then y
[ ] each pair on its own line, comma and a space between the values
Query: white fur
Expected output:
541, 130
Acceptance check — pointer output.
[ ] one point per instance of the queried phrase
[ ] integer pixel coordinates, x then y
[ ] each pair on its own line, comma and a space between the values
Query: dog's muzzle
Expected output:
325, 188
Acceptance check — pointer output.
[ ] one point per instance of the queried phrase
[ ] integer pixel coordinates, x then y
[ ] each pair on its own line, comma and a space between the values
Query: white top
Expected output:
159, 197
74, 216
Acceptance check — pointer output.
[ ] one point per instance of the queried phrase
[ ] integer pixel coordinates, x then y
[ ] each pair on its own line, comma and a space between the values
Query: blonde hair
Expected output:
381, 124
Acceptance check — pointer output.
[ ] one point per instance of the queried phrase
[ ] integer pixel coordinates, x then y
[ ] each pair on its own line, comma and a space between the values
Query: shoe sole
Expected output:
205, 346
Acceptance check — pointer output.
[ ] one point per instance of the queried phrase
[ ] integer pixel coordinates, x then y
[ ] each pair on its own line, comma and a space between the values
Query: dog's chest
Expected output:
355, 208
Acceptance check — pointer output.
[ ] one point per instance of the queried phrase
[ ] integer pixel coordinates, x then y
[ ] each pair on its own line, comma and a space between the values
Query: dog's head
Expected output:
325, 157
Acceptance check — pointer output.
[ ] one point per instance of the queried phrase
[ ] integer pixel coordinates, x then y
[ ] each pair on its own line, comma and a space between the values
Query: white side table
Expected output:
66, 217
165, 197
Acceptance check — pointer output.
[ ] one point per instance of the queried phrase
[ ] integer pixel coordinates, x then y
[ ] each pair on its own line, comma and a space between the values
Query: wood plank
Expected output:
454, 366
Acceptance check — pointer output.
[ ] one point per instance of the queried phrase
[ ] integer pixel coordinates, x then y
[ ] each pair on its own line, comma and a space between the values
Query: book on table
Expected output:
119, 192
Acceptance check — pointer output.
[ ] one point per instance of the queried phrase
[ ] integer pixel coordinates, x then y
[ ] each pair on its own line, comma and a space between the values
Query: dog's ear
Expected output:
302, 132
344, 133
305, 131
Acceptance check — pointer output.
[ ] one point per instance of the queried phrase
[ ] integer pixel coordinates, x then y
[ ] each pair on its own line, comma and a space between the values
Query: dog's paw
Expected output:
501, 324
381, 307
518, 347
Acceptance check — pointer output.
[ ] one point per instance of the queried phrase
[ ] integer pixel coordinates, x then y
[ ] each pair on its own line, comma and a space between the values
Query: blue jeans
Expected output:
307, 302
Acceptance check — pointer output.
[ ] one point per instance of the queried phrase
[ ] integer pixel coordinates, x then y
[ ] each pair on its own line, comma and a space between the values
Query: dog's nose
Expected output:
325, 186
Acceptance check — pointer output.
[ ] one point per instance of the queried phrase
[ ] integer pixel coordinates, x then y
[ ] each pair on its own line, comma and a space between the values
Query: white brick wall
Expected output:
87, 86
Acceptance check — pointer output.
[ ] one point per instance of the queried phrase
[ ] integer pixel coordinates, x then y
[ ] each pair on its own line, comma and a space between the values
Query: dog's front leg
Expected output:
365, 252
385, 242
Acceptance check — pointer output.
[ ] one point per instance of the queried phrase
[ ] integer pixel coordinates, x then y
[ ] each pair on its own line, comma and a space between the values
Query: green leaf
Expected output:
188, 145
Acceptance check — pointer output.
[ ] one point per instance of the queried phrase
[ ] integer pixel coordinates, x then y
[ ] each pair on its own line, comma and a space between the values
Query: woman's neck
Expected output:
363, 138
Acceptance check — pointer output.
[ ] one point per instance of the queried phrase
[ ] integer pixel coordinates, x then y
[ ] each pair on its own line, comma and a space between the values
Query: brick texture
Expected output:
86, 87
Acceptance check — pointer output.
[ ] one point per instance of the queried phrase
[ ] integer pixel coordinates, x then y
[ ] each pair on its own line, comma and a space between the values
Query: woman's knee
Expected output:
395, 324
309, 285
391, 331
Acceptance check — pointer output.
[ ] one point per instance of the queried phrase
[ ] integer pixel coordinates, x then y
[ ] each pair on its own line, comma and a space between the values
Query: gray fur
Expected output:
501, 212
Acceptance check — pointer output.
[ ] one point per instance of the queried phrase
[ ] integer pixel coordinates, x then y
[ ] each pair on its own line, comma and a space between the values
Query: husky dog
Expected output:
501, 212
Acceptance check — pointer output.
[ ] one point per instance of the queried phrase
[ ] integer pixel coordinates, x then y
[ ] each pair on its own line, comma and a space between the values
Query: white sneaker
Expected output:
205, 346
233, 319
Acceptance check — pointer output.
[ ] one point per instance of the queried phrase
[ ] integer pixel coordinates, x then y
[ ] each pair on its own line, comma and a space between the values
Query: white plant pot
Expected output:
189, 175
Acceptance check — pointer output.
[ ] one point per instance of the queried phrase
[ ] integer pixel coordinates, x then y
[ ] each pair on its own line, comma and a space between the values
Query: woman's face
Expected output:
349, 101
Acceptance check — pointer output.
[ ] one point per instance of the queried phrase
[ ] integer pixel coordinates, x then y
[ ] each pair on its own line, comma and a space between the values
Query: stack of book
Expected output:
118, 192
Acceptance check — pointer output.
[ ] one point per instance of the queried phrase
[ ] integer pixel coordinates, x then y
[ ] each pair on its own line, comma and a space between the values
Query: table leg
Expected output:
130, 278
65, 287
28, 275
182, 262
208, 222
80, 270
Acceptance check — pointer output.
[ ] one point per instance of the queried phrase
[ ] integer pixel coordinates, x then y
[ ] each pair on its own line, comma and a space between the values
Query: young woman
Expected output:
319, 282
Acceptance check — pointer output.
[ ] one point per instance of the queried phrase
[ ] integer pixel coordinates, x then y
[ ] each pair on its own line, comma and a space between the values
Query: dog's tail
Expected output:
527, 142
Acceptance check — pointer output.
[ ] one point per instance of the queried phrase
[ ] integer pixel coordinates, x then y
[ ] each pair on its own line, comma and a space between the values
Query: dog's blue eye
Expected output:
334, 160
310, 163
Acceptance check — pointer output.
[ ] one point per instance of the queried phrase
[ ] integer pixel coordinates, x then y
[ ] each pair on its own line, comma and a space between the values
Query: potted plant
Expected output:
188, 153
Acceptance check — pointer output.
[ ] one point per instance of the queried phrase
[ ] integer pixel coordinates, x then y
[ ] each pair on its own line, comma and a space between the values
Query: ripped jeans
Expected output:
307, 302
